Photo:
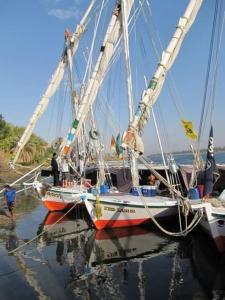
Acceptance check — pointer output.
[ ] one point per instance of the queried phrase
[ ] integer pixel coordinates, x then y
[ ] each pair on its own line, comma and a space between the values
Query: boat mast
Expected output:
54, 83
132, 139
111, 38
132, 160
74, 98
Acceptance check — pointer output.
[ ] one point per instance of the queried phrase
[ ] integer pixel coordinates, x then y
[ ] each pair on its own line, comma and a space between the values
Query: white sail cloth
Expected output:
112, 36
151, 94
52, 87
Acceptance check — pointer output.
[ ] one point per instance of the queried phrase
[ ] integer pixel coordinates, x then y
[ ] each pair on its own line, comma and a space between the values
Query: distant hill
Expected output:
34, 151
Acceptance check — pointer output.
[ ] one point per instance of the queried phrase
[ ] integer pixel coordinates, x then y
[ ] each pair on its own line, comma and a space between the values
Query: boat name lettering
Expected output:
126, 210
53, 194
109, 208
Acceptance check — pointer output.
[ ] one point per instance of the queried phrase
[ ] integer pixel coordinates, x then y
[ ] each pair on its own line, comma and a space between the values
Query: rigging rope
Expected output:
38, 235
203, 115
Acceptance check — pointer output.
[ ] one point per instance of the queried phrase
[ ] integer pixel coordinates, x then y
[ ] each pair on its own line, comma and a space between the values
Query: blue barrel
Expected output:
149, 190
194, 193
104, 189
136, 191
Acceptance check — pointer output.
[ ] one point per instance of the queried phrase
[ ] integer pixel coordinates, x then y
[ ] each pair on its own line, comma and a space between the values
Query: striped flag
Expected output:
211, 174
119, 149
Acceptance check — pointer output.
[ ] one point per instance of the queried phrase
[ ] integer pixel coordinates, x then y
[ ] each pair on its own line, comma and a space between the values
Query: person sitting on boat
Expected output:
55, 170
153, 181
65, 171
10, 198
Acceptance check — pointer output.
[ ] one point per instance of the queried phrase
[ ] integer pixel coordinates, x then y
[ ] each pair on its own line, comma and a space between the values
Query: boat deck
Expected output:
122, 198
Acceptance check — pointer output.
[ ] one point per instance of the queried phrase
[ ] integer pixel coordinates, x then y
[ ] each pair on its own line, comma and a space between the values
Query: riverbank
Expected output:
9, 175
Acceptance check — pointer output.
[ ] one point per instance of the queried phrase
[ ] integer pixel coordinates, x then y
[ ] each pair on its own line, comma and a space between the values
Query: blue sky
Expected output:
32, 34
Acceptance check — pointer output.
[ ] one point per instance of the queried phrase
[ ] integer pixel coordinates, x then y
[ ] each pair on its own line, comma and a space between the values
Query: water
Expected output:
71, 260
187, 158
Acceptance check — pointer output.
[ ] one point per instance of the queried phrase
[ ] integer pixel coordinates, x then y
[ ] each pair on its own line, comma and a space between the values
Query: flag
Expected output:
119, 149
189, 130
211, 173
113, 145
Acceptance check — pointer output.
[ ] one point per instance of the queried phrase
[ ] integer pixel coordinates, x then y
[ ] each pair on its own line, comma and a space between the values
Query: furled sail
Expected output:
112, 36
54, 83
131, 158
132, 136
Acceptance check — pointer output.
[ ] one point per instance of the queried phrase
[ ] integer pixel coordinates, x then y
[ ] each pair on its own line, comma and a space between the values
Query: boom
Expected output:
54, 83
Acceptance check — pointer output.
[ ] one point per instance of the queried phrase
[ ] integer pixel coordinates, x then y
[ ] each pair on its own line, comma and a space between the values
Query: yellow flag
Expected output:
189, 130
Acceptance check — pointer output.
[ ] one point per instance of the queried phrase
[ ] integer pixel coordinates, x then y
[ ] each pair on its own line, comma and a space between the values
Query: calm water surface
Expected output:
72, 261
187, 158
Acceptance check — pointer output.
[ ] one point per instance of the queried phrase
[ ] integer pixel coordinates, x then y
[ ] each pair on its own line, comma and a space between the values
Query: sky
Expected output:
32, 34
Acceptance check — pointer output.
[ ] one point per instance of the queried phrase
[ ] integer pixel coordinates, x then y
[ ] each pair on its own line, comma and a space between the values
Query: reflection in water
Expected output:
12, 241
124, 262
112, 255
208, 266
71, 260
8, 236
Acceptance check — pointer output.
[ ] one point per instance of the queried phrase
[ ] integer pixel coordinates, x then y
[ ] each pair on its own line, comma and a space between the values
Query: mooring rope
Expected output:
196, 219
184, 203
41, 233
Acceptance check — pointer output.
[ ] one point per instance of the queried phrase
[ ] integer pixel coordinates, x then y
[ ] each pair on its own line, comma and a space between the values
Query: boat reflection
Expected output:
208, 265
60, 226
131, 262
113, 258
125, 243
8, 237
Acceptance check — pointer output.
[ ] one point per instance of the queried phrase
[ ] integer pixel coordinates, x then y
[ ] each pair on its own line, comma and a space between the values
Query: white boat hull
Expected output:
127, 210
58, 199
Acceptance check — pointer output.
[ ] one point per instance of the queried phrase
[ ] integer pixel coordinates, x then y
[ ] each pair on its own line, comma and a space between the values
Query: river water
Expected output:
71, 260
187, 158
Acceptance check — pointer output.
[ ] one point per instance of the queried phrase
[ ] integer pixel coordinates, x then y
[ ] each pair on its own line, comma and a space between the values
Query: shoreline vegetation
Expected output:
35, 151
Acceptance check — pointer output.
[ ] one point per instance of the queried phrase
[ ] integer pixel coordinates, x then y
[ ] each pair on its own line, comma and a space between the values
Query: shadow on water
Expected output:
71, 260
208, 265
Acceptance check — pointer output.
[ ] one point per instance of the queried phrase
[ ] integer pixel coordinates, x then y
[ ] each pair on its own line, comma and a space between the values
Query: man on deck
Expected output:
55, 170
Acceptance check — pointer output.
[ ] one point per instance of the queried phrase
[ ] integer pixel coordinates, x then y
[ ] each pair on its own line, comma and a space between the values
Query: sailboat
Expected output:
113, 208
62, 198
212, 200
122, 210
212, 208
58, 198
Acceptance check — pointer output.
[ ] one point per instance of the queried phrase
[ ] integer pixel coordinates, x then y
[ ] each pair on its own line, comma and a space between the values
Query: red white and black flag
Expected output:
211, 171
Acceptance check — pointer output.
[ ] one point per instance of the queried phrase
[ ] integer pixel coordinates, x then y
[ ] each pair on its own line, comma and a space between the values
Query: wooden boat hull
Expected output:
56, 205
215, 227
213, 223
59, 199
128, 210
